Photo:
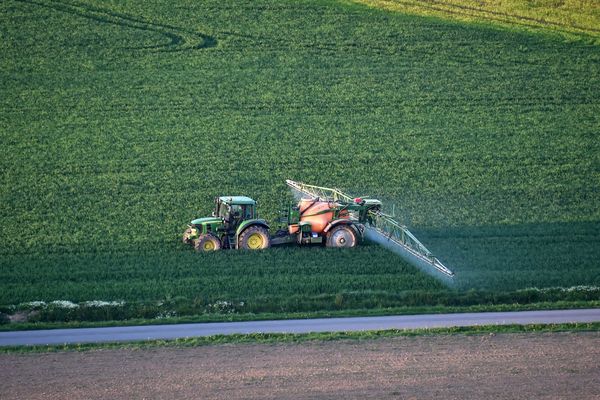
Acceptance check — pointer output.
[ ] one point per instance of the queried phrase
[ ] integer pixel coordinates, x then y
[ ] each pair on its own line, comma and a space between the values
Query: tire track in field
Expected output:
319, 108
179, 39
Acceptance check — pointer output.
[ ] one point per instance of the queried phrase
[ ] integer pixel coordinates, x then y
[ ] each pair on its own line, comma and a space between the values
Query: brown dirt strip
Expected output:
503, 366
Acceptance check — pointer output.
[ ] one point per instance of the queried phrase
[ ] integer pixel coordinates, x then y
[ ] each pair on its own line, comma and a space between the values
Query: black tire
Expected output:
207, 243
341, 236
255, 238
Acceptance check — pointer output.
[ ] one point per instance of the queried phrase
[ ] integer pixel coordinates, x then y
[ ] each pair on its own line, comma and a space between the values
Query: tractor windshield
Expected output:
243, 211
239, 211
223, 210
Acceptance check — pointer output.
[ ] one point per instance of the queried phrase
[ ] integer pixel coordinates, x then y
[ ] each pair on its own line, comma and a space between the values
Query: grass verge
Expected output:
269, 338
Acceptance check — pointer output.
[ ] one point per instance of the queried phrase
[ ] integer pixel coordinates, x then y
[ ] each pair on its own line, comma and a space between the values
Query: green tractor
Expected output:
234, 225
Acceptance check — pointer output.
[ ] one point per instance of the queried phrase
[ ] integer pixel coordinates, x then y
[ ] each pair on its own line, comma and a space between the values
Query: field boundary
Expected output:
471, 13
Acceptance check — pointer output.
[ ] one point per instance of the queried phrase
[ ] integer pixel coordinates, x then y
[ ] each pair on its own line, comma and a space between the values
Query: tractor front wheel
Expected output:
186, 235
341, 236
255, 238
207, 243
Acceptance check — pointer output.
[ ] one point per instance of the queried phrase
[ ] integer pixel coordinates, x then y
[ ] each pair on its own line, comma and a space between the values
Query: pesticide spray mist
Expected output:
297, 194
376, 236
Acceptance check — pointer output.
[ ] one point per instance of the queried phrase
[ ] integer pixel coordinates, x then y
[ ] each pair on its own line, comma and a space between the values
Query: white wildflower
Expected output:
34, 304
166, 315
222, 306
64, 304
101, 303
580, 288
583, 288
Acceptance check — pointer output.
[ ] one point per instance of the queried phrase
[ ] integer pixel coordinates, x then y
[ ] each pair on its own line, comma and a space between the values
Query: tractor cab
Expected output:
233, 210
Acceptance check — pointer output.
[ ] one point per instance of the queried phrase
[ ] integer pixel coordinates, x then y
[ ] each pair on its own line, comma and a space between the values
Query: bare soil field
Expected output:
502, 366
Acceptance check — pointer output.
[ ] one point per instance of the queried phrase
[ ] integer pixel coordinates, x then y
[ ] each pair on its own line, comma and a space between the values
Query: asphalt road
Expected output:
153, 332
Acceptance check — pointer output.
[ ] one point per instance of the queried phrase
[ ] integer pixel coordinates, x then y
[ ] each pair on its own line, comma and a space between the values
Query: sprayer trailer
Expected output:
322, 215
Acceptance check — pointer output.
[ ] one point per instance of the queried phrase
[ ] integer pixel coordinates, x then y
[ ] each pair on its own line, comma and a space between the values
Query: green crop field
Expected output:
120, 121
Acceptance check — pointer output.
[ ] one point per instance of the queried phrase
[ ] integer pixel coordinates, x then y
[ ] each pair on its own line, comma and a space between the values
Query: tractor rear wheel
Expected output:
341, 236
207, 243
255, 238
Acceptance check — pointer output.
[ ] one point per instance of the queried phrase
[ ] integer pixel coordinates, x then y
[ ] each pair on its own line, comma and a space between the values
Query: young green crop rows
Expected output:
121, 121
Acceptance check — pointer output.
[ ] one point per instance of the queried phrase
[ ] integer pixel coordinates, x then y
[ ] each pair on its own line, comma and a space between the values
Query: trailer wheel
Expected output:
207, 243
341, 236
255, 238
